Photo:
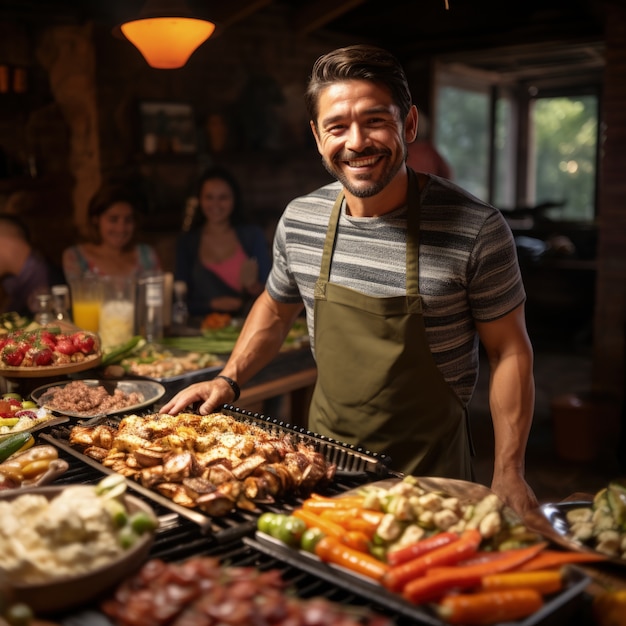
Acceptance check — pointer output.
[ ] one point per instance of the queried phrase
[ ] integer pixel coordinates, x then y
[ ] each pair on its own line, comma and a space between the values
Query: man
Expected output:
24, 272
400, 274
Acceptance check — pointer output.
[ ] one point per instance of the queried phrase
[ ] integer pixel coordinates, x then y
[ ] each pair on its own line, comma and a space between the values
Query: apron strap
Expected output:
412, 240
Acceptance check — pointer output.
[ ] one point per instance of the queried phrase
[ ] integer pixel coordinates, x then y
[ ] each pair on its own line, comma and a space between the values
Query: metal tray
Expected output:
150, 392
552, 611
352, 463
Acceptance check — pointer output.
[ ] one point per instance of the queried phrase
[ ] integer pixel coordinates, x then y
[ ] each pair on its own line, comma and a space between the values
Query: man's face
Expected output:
360, 136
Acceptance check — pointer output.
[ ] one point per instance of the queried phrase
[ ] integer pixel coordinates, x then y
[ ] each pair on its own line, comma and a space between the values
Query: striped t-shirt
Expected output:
468, 268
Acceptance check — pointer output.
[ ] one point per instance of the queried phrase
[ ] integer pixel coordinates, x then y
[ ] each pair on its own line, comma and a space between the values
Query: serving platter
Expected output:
150, 391
555, 606
550, 520
50, 371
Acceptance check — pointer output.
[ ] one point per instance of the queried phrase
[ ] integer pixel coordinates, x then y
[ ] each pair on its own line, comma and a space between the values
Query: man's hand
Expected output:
515, 492
212, 394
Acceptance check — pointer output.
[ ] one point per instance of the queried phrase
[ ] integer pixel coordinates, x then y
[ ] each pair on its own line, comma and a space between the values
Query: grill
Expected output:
232, 537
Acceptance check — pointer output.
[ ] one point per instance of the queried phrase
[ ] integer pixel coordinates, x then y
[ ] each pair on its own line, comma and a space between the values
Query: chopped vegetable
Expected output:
543, 581
331, 550
489, 607
467, 544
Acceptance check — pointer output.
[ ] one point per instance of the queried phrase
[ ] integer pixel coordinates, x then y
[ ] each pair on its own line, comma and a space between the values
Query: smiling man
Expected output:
401, 275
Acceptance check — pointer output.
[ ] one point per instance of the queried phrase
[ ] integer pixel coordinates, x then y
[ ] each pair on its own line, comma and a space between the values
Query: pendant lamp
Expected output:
166, 32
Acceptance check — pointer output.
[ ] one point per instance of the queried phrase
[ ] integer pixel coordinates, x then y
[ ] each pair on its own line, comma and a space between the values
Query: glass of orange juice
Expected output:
86, 302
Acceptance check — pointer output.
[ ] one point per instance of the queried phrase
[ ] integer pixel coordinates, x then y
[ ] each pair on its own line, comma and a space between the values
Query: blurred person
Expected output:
401, 274
24, 272
112, 249
422, 154
224, 261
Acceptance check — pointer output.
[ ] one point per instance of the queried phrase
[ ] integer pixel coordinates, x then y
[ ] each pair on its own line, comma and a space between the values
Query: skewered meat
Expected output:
213, 462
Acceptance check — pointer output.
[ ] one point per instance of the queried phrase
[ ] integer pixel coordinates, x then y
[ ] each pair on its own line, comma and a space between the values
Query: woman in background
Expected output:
112, 249
224, 262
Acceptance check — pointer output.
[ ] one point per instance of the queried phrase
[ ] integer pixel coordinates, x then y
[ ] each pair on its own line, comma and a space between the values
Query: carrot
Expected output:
440, 580
489, 607
331, 550
312, 520
451, 553
356, 539
348, 519
406, 553
556, 558
543, 581
507, 560
317, 502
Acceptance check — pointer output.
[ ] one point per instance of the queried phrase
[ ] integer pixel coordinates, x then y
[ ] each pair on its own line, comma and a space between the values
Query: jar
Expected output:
117, 311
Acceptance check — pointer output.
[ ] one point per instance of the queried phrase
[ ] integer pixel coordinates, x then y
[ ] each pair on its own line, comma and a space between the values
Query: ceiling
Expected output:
529, 36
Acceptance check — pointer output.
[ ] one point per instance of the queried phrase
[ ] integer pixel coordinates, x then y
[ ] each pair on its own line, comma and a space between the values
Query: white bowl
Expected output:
68, 592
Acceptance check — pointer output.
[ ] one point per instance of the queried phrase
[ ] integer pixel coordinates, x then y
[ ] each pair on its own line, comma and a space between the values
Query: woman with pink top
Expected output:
224, 261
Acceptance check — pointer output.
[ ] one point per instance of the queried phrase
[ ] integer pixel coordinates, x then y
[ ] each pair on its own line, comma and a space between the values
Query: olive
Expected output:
310, 538
29, 404
290, 530
142, 522
265, 522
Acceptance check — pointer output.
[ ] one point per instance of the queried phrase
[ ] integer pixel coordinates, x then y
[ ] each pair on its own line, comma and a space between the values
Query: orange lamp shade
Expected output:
167, 42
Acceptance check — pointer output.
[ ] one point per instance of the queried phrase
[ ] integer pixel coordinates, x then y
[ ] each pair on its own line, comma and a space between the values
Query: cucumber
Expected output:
117, 353
12, 444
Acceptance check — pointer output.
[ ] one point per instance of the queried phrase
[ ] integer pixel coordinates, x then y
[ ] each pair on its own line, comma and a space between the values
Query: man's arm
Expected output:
261, 338
511, 401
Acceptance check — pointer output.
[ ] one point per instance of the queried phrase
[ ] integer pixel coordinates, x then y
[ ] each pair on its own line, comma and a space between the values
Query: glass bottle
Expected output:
151, 302
180, 312
44, 314
61, 302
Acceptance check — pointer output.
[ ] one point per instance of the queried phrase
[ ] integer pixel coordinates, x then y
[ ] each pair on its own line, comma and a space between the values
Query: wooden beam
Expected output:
318, 14
237, 10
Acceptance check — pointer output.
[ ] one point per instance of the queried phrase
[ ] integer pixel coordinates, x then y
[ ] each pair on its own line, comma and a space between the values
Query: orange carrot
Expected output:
543, 581
439, 580
556, 558
312, 520
356, 539
355, 519
489, 607
331, 550
451, 553
413, 550
318, 503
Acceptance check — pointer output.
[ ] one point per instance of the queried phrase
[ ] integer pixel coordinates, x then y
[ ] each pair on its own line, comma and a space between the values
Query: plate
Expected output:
71, 591
48, 371
150, 391
550, 520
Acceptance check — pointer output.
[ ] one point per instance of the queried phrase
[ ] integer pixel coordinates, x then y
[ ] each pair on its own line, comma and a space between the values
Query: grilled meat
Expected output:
212, 462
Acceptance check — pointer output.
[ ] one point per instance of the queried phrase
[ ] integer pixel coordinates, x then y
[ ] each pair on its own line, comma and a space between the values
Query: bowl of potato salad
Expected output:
63, 546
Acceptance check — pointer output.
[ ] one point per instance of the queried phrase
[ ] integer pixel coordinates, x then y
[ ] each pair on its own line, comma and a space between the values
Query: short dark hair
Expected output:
358, 62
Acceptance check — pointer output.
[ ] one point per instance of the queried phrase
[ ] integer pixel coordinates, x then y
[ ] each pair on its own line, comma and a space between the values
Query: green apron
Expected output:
378, 386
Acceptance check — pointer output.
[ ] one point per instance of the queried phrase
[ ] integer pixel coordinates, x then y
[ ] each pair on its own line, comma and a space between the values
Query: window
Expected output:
517, 145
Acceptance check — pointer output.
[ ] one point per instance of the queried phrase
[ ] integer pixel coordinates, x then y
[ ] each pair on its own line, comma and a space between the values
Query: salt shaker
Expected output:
44, 314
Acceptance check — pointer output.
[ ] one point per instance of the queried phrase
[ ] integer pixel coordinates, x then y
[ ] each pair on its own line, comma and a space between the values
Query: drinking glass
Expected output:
87, 295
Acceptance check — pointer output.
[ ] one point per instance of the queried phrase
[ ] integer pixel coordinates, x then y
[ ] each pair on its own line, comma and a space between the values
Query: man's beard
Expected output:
374, 187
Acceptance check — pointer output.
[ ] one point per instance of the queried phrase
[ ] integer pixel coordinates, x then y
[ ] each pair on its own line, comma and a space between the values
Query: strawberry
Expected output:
47, 338
13, 355
42, 356
65, 345
83, 341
